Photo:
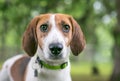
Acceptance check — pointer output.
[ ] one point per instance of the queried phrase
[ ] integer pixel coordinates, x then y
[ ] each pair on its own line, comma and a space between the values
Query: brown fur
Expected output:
19, 67
78, 40
29, 39
32, 34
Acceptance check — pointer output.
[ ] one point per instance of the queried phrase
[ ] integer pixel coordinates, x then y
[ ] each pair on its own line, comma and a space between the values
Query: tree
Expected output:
116, 50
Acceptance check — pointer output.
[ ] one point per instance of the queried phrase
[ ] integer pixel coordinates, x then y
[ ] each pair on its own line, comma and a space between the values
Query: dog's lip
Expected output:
55, 57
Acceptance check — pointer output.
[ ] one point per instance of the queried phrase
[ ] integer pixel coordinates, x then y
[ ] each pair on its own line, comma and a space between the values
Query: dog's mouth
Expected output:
53, 59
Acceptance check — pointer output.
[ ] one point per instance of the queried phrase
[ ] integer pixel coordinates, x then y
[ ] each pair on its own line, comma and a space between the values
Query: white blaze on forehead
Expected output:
52, 20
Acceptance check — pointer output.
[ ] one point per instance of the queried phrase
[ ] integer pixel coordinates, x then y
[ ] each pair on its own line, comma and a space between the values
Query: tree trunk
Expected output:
116, 50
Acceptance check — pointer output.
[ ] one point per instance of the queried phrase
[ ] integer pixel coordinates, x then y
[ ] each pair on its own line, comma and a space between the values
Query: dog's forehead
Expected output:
44, 17
58, 17
62, 18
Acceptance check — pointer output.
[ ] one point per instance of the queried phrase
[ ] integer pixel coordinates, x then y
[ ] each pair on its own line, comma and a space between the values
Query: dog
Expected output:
48, 41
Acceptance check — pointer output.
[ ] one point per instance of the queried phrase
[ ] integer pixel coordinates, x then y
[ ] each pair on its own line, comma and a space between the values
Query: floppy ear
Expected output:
29, 42
78, 42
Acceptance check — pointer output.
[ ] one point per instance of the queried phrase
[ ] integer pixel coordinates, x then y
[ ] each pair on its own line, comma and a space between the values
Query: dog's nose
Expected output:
56, 48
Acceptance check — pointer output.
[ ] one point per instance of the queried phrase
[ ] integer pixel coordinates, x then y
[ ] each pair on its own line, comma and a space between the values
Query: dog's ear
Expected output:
29, 41
78, 41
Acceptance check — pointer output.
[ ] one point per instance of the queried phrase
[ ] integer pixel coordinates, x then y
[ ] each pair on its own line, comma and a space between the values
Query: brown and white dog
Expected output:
48, 41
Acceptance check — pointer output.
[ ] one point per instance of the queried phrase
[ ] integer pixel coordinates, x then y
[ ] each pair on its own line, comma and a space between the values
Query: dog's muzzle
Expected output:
55, 48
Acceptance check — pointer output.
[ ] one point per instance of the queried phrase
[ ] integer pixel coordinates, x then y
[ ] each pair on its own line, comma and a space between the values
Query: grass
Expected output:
83, 72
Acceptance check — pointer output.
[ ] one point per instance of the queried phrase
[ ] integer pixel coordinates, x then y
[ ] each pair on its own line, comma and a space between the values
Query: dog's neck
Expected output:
46, 74
49, 66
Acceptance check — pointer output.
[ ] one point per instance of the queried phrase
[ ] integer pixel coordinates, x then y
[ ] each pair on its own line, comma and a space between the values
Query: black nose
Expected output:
56, 48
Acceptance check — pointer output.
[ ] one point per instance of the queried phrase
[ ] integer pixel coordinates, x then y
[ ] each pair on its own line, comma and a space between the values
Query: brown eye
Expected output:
66, 28
44, 27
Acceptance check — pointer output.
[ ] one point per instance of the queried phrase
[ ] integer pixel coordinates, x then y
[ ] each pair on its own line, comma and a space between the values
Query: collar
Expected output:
52, 67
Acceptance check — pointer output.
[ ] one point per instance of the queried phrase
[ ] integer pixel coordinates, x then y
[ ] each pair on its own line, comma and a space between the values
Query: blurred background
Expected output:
99, 20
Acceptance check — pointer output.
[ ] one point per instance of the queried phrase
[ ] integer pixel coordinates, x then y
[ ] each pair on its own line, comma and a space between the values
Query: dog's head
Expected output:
52, 35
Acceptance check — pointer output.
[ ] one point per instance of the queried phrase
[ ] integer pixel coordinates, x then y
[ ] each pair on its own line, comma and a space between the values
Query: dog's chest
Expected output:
51, 75
48, 75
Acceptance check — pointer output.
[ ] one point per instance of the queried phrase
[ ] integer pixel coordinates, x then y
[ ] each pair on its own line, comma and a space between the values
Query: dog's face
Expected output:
52, 35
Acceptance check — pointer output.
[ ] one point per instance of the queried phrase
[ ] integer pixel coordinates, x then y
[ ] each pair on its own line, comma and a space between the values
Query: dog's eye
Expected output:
66, 28
44, 27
